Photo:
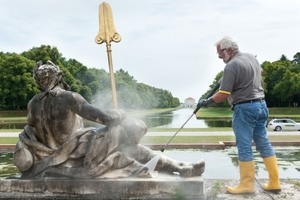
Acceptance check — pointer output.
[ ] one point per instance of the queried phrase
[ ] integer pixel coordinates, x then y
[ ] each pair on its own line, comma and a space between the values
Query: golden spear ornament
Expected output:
107, 33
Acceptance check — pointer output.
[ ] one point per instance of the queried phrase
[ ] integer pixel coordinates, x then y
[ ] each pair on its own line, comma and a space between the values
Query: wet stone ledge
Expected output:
161, 187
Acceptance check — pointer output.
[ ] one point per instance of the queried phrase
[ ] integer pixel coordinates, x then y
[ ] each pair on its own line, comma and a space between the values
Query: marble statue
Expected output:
55, 143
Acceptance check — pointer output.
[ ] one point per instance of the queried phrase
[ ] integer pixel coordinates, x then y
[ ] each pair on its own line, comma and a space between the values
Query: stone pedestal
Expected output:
161, 187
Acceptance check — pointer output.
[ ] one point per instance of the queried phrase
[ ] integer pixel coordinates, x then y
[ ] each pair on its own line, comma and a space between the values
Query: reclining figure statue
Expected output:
55, 143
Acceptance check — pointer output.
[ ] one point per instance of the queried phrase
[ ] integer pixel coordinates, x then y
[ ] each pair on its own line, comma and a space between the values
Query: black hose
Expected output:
267, 193
209, 95
163, 149
196, 110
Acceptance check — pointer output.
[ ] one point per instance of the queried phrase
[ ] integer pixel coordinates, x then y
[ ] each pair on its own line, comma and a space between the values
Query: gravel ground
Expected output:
216, 190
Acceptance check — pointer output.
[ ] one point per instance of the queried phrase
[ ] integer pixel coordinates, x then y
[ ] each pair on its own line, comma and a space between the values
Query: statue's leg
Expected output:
144, 154
186, 169
134, 130
123, 164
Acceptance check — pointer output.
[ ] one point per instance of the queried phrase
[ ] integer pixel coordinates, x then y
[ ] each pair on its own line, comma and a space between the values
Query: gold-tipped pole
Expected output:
107, 33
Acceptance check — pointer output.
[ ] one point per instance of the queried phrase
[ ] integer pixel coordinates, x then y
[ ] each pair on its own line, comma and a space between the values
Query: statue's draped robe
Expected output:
89, 153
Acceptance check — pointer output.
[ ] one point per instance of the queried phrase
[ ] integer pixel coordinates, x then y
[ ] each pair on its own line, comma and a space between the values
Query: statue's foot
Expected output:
198, 168
194, 169
186, 171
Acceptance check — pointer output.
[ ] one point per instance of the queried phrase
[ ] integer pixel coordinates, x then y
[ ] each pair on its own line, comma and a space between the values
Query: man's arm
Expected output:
220, 96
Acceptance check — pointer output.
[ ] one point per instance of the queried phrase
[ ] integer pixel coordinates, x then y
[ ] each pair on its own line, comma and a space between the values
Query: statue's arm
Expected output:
92, 113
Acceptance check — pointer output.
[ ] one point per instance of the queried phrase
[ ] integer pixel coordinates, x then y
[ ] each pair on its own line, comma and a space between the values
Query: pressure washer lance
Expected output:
195, 111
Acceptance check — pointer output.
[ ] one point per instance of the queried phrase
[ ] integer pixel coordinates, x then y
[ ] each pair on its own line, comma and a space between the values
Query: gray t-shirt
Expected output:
242, 79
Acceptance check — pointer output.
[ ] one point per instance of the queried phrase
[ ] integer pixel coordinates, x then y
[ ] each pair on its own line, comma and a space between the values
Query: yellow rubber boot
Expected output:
247, 175
272, 167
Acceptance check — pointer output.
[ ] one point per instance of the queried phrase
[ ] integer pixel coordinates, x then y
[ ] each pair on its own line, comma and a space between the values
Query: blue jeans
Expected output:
249, 123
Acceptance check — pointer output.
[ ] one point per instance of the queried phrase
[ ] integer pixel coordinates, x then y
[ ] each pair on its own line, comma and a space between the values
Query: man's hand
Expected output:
201, 103
205, 102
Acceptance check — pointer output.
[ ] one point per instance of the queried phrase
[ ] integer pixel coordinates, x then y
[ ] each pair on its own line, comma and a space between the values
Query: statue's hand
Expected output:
116, 116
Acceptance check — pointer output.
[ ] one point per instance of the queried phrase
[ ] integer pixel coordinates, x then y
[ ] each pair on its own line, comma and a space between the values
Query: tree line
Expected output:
281, 80
17, 85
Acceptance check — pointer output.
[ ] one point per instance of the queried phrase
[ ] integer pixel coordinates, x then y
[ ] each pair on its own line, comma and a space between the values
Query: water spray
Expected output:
151, 164
195, 111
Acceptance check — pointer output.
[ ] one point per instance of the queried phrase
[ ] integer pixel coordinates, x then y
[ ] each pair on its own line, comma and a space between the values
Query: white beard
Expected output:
226, 59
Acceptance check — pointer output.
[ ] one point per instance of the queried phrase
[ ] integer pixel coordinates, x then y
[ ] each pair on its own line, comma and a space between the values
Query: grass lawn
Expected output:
182, 139
219, 113
9, 140
189, 129
207, 139
214, 113
211, 112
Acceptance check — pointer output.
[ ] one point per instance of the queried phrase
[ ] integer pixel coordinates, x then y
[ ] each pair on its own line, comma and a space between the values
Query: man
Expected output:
55, 142
242, 86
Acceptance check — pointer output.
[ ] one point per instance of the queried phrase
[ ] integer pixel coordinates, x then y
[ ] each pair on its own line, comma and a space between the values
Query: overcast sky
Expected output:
166, 44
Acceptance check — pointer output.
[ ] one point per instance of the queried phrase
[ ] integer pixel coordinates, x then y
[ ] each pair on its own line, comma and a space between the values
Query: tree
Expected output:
92, 84
272, 75
17, 85
70, 68
296, 58
148, 97
288, 87
43, 53
283, 58
215, 81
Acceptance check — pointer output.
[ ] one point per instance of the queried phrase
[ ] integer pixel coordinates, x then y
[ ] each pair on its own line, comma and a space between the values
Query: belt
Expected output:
250, 101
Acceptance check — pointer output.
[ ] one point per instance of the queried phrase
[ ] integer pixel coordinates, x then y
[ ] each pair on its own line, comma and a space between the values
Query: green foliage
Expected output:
283, 58
216, 80
86, 92
179, 194
43, 53
132, 94
293, 112
216, 189
18, 86
281, 80
296, 58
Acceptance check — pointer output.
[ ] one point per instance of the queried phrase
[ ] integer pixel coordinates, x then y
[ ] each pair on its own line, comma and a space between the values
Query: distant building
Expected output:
189, 102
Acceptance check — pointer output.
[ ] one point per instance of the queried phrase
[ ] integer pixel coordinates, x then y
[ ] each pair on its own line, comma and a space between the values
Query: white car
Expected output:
284, 124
